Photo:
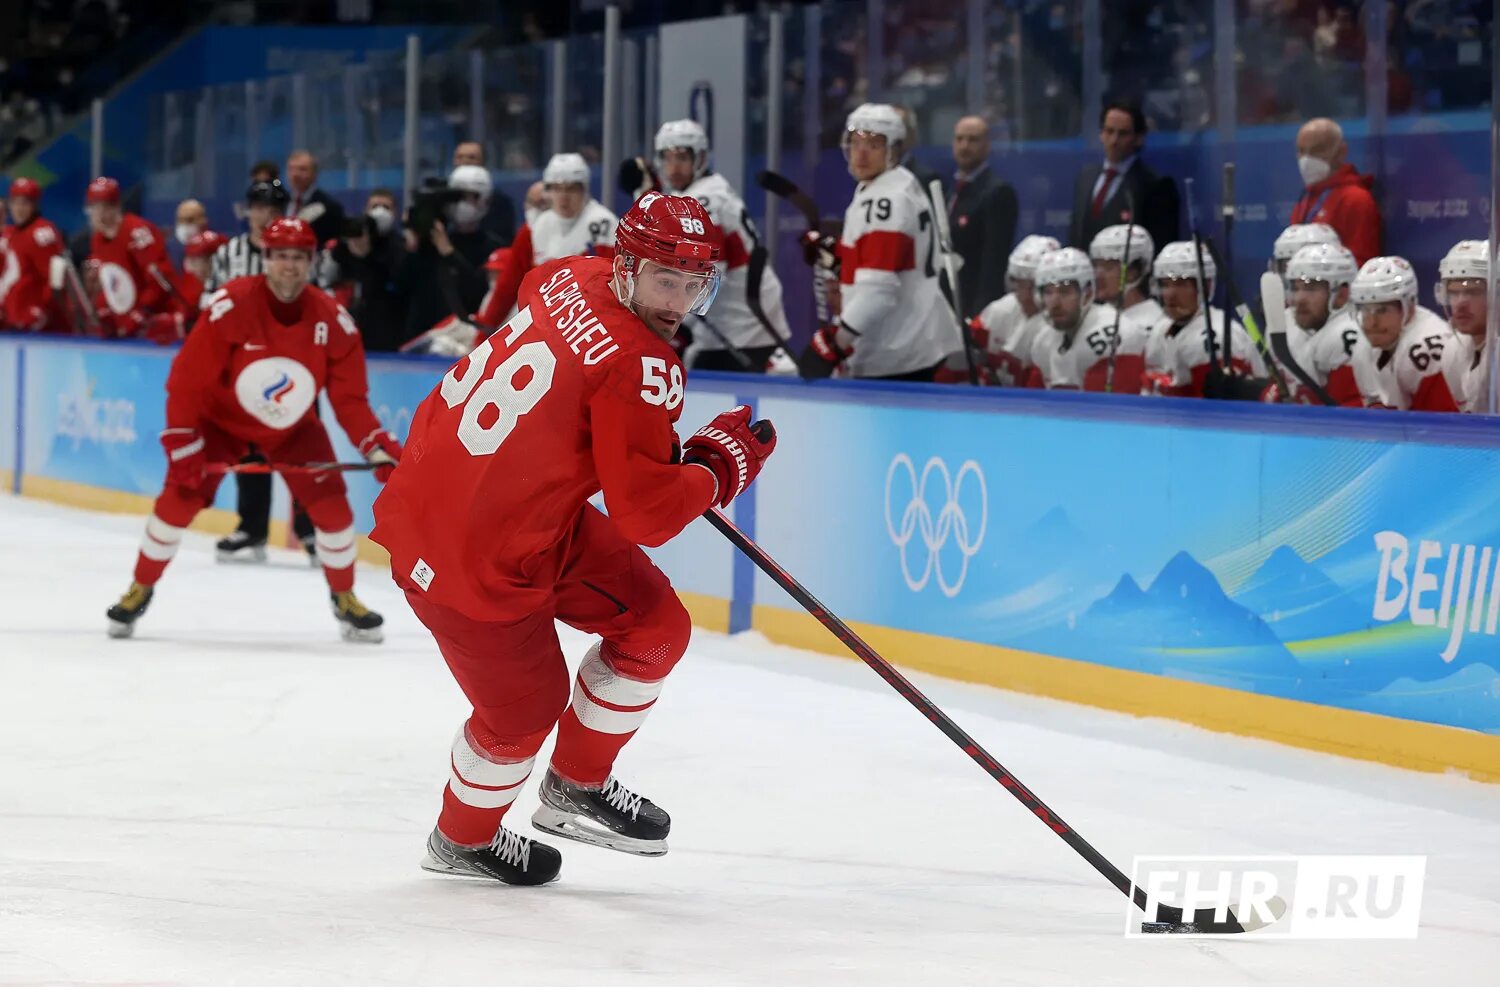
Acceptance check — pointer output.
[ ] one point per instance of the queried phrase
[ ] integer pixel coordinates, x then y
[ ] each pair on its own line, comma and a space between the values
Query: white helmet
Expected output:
1068, 264
1469, 259
681, 133
471, 178
1328, 262
877, 118
1109, 244
1177, 263
566, 169
1294, 238
1027, 254
1385, 279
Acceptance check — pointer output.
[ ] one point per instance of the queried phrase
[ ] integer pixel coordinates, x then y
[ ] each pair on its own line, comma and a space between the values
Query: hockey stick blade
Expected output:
1273, 300
1202, 920
780, 185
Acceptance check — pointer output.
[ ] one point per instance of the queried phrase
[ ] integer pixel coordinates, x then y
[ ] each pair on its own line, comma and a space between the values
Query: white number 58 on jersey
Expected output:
659, 387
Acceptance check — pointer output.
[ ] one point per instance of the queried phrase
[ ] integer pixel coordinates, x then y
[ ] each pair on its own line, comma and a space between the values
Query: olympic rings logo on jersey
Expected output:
117, 286
917, 519
276, 390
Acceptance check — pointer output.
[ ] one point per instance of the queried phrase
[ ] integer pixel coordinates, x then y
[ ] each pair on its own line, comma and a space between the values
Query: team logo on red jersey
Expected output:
276, 390
118, 287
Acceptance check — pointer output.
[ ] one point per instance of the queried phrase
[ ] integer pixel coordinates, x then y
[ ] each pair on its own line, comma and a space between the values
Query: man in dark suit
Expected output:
982, 216
1100, 196
320, 210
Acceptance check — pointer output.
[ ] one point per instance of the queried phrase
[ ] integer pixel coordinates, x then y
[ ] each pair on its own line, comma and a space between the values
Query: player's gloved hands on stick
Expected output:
380, 447
187, 464
829, 347
733, 449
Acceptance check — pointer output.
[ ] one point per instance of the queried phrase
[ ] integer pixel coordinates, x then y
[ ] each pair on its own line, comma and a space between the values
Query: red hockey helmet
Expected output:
496, 260
26, 188
288, 234
675, 232
204, 244
103, 189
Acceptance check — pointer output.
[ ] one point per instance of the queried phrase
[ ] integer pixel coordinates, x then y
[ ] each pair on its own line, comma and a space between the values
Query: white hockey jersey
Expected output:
1006, 332
1177, 358
1424, 371
1325, 354
1147, 312
731, 314
1083, 362
888, 279
590, 233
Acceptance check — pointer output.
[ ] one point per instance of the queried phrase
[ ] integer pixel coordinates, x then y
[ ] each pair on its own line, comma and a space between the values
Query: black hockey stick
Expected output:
1169, 917
293, 467
950, 269
1114, 343
782, 186
819, 255
755, 271
1226, 262
1273, 298
1203, 299
734, 351
1232, 292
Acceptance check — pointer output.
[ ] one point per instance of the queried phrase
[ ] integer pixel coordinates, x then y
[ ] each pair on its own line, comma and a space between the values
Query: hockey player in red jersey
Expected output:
128, 257
31, 304
197, 269
492, 536
250, 373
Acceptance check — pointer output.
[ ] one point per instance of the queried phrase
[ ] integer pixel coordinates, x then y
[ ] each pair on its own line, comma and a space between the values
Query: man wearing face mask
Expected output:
192, 219
444, 275
364, 265
1336, 194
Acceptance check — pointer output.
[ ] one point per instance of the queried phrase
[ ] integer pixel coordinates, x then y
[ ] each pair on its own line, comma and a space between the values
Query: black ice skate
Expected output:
240, 547
123, 615
510, 858
356, 621
613, 816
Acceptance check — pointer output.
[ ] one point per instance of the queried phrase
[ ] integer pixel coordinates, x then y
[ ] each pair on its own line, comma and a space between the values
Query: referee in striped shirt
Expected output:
237, 258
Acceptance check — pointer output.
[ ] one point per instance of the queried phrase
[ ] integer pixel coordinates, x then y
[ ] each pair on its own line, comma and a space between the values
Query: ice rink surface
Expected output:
238, 797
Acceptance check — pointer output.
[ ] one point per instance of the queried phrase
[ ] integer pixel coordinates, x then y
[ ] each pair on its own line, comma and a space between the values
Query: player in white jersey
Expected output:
1081, 349
1182, 350
1463, 289
1005, 327
575, 224
1409, 358
683, 166
1321, 332
894, 322
1293, 239
1108, 250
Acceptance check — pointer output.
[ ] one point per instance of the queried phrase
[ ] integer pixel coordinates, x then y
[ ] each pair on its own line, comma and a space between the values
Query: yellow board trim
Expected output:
708, 612
211, 521
1367, 736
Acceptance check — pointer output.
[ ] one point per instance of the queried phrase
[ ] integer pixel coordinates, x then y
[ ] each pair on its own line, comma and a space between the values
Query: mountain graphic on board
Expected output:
1298, 601
1046, 574
1184, 623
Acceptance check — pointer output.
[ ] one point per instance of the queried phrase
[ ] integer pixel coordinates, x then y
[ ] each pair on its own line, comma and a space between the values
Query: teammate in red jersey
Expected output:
197, 268
129, 263
31, 304
492, 537
250, 373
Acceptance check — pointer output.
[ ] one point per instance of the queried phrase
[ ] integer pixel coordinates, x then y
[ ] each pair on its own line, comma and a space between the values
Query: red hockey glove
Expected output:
829, 347
979, 335
186, 461
380, 447
733, 449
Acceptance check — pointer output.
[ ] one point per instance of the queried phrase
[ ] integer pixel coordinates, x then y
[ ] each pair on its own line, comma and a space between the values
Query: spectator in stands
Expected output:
366, 267
1123, 189
444, 274
982, 216
309, 203
1336, 194
501, 218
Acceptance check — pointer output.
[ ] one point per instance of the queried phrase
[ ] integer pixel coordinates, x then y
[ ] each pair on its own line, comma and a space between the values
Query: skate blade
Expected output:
120, 630
571, 826
361, 635
435, 865
251, 556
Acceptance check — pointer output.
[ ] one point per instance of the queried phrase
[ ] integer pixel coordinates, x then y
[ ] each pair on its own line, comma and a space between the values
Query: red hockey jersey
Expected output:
253, 365
31, 303
573, 395
128, 290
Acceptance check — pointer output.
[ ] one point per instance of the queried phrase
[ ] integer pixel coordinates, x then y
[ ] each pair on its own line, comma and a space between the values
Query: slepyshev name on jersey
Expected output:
562, 296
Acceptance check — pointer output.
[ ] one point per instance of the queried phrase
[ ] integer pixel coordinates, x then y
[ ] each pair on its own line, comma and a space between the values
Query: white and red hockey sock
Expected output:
159, 544
485, 776
336, 552
606, 711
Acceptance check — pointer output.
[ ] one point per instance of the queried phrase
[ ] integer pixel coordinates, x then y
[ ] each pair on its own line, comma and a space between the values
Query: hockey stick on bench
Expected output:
1273, 301
1169, 917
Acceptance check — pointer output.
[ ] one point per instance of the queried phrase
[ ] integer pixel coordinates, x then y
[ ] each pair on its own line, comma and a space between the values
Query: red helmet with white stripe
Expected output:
204, 244
288, 234
103, 189
26, 188
675, 232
